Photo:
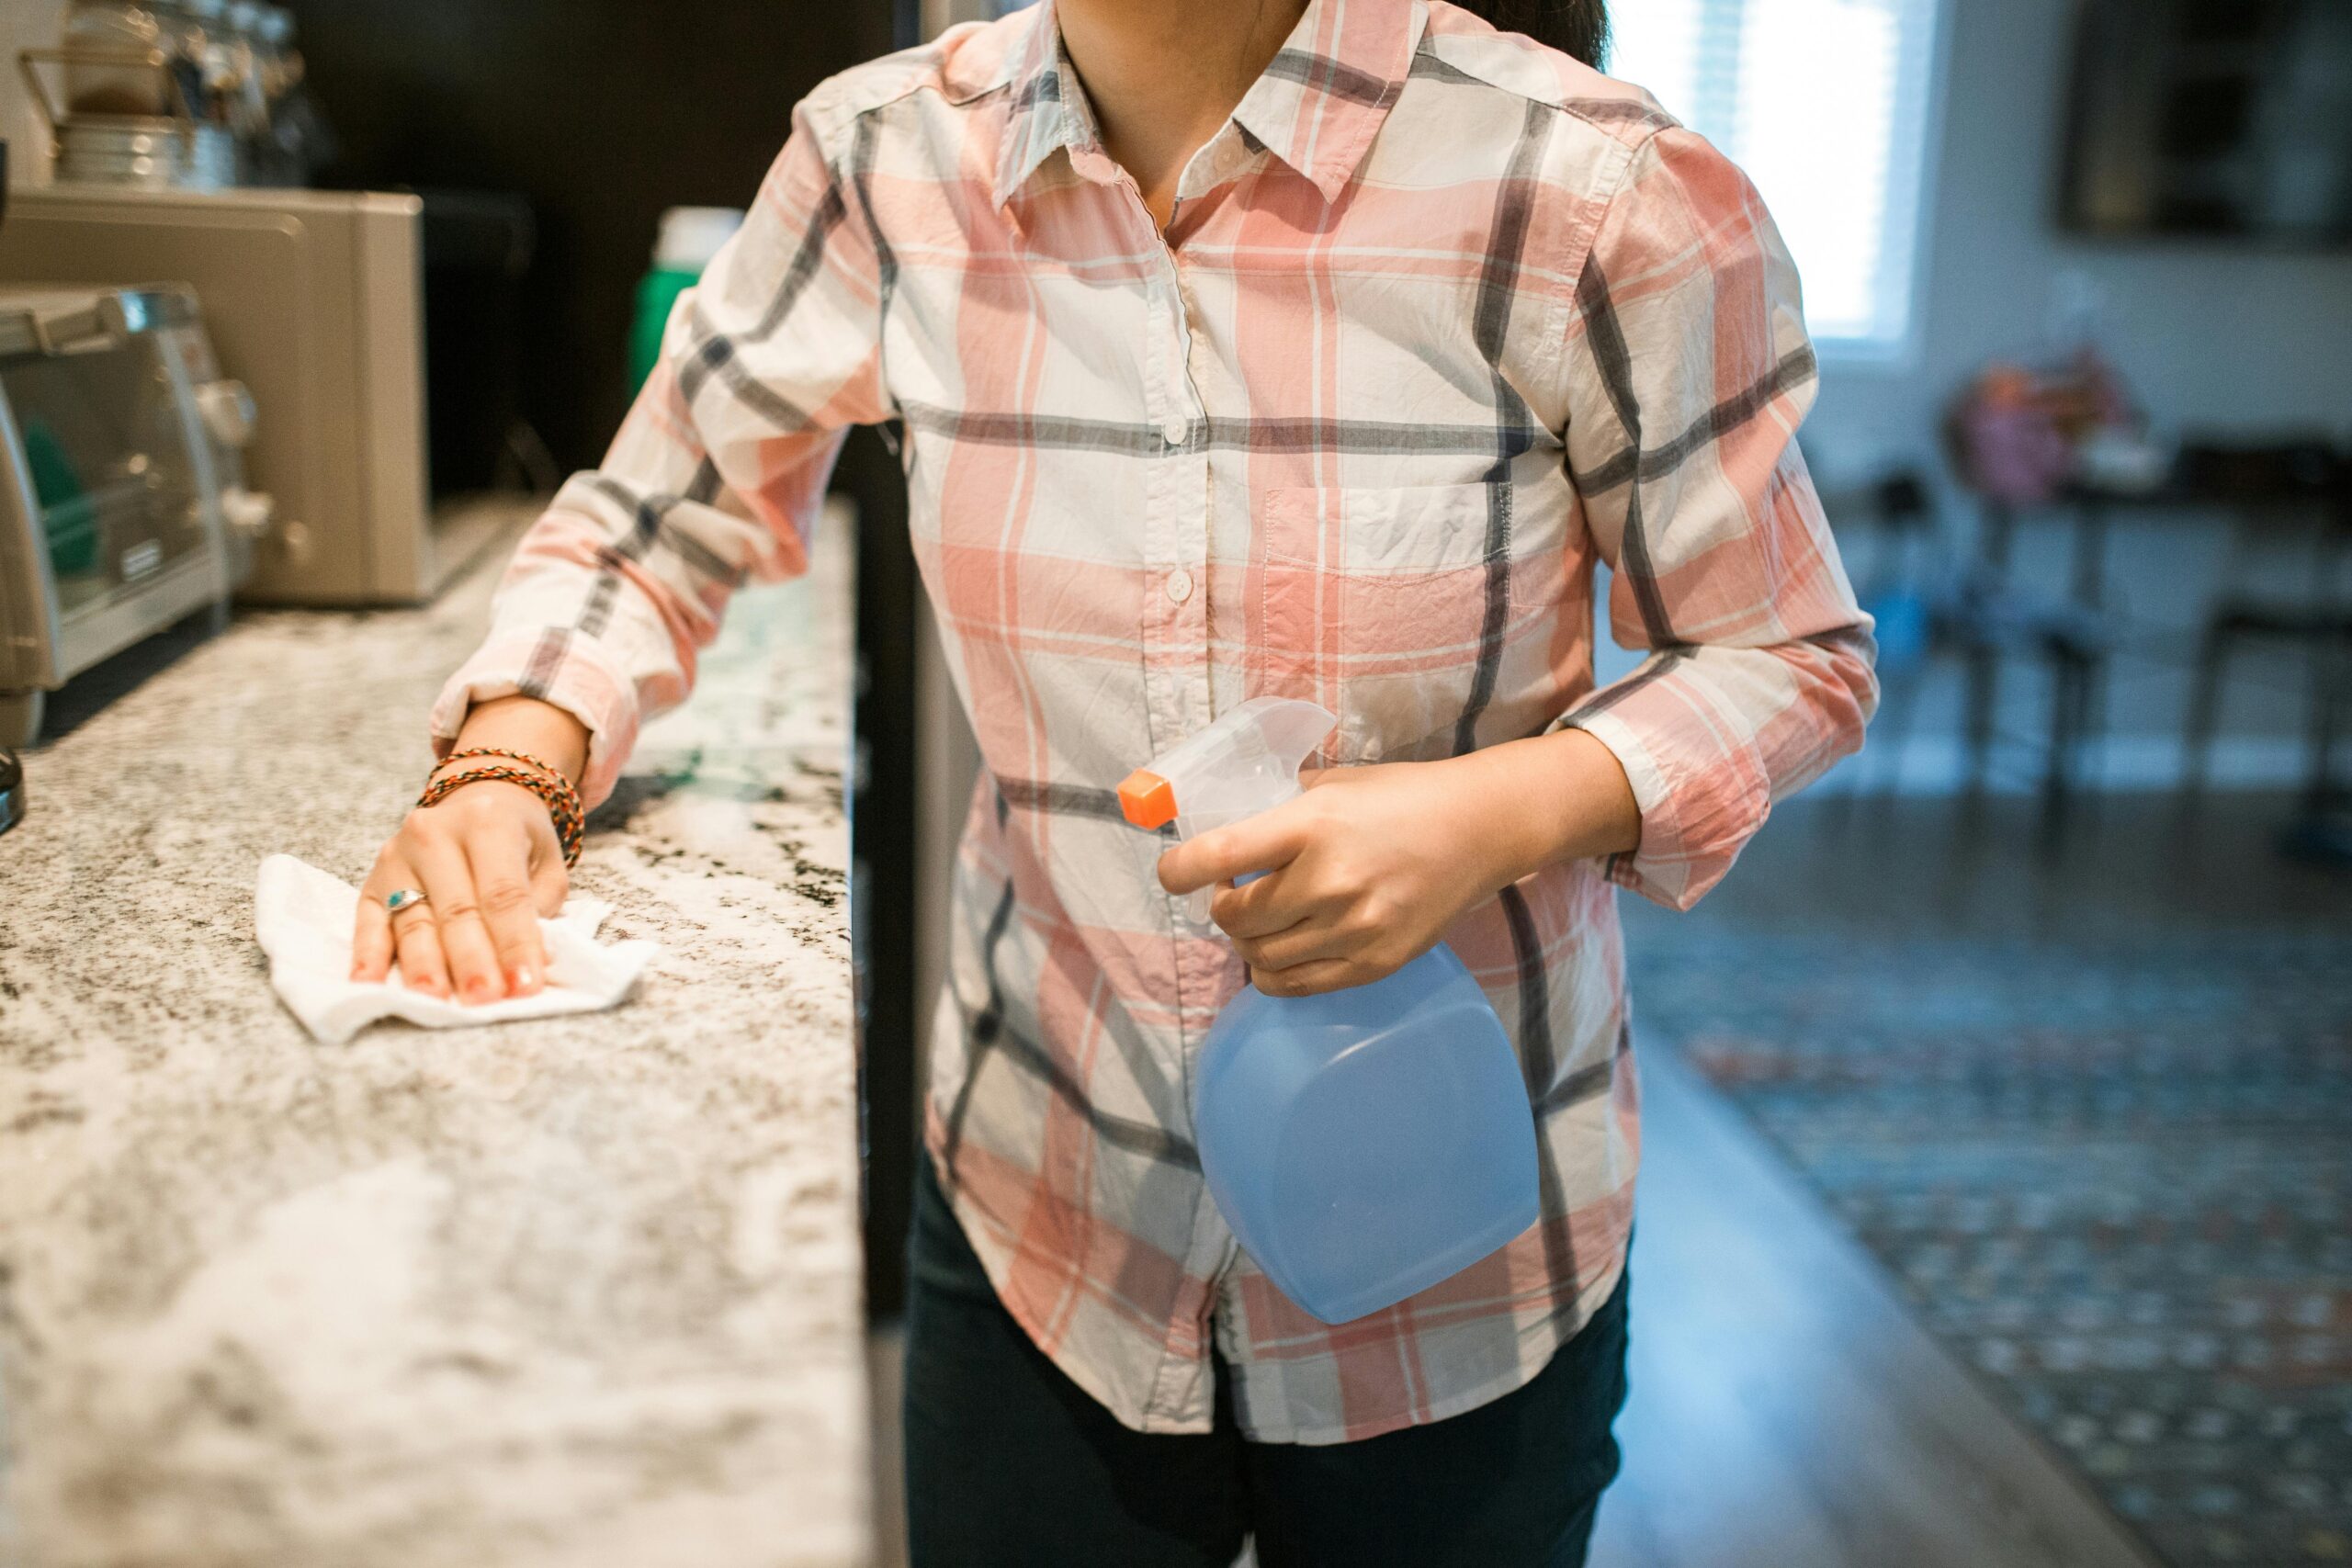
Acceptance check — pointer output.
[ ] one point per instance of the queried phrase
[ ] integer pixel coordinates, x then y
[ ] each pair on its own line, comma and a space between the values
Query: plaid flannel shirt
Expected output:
1443, 319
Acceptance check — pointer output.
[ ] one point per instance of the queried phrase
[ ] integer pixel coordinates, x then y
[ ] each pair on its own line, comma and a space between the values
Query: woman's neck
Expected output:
1163, 74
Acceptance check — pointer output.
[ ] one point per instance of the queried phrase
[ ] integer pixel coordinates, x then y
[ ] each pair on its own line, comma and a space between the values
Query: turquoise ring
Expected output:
403, 898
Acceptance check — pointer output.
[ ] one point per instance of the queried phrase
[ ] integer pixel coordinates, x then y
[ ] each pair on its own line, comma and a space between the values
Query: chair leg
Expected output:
2068, 703
2091, 734
1983, 697
2331, 697
2204, 709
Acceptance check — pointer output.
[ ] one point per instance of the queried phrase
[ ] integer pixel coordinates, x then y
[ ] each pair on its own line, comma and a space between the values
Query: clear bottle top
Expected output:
1245, 762
1242, 764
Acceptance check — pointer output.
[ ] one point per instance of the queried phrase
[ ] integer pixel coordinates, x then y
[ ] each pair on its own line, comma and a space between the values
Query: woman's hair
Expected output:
1573, 27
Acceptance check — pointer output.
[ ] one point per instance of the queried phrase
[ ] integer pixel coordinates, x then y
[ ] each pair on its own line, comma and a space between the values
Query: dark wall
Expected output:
600, 113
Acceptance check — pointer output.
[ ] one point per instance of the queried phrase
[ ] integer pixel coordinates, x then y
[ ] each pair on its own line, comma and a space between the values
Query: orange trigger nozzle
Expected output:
1147, 799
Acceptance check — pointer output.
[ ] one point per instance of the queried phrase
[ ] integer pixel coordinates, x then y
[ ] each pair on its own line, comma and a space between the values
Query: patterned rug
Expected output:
2114, 1176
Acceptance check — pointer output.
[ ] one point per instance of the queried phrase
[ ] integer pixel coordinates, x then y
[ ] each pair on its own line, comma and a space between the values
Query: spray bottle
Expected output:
1362, 1145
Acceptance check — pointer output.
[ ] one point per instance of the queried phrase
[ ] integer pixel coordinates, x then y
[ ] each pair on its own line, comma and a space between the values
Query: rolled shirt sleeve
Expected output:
716, 476
1688, 371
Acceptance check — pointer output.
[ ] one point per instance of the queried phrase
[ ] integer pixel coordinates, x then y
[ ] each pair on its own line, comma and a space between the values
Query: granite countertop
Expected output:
571, 1292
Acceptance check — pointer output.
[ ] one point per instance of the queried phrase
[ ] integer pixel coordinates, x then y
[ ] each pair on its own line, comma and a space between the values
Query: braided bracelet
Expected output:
561, 779
562, 801
501, 751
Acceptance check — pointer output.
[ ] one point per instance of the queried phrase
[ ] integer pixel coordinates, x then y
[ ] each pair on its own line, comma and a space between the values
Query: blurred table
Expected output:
2263, 490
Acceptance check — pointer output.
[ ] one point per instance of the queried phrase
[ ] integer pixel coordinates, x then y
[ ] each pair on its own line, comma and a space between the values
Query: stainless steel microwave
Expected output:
315, 300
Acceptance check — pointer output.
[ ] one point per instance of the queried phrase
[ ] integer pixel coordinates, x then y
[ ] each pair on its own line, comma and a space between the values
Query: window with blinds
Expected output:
1826, 105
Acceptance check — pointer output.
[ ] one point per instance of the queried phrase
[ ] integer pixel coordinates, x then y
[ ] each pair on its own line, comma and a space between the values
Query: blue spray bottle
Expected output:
1365, 1143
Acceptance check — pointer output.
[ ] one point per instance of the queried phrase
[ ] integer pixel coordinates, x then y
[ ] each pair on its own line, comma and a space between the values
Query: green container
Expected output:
657, 291
690, 237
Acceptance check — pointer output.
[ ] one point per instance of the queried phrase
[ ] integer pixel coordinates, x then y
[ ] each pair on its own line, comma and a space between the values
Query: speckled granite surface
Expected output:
570, 1291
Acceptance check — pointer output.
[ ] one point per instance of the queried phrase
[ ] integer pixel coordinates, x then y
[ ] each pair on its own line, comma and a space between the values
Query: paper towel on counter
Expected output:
303, 917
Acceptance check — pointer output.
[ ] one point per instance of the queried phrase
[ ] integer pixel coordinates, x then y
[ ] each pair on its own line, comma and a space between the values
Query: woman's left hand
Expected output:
1367, 868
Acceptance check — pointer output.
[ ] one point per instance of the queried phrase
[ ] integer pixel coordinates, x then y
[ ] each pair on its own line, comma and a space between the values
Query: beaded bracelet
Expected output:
562, 800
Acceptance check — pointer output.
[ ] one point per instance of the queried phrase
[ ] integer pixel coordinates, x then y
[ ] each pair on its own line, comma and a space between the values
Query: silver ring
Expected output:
403, 898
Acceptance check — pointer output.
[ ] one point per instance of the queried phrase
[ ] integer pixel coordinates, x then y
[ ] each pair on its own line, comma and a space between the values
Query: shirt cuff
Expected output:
1702, 793
559, 666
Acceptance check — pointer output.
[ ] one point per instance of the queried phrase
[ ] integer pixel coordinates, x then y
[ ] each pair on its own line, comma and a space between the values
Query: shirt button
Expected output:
1179, 586
1175, 428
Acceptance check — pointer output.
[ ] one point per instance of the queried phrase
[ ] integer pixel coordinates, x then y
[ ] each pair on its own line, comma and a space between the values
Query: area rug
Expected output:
2114, 1176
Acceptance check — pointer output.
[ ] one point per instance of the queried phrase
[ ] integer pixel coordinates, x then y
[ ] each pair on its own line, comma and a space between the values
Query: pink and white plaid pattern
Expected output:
1442, 319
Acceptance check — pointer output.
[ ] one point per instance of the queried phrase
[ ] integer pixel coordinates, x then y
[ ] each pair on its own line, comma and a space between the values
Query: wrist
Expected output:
549, 735
1502, 837
489, 768
1549, 798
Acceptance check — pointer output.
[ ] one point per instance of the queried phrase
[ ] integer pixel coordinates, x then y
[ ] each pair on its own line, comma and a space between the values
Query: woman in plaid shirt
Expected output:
1251, 346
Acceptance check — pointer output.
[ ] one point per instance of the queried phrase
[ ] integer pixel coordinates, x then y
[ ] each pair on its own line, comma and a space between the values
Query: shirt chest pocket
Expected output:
1384, 604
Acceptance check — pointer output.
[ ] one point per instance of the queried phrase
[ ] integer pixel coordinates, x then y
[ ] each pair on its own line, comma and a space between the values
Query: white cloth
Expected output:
303, 918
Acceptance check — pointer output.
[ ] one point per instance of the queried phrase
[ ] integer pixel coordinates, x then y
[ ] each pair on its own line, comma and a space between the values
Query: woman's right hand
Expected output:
488, 863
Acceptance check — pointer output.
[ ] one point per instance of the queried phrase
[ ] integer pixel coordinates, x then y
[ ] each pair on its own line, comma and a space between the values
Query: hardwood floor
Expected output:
1786, 1410
884, 1364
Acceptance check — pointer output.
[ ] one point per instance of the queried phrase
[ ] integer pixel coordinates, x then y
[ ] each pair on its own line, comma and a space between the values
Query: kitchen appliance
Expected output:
123, 507
12, 772
317, 301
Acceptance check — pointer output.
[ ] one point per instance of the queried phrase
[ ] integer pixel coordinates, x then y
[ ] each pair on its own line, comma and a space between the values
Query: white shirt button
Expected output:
1179, 586
1175, 428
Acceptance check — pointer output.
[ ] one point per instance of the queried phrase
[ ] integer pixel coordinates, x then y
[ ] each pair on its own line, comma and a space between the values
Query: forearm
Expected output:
1371, 865
1546, 799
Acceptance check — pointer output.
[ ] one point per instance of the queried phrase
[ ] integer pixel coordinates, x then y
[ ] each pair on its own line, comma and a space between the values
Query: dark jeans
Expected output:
1009, 1464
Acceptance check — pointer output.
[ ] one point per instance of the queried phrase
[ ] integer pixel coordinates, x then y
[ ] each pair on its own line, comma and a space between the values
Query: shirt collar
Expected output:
1330, 85
1316, 106
1045, 107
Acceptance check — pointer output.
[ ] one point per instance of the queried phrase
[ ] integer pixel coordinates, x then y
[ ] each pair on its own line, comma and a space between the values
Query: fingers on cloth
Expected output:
456, 914
508, 897
380, 936
371, 931
415, 939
